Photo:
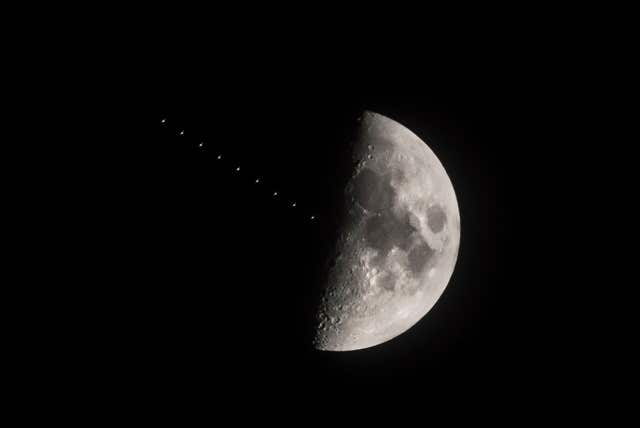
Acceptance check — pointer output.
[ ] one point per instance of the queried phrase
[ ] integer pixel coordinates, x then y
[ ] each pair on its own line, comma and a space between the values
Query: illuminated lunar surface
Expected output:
398, 244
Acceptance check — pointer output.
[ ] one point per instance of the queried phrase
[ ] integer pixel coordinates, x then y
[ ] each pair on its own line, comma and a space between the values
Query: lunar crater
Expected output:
436, 218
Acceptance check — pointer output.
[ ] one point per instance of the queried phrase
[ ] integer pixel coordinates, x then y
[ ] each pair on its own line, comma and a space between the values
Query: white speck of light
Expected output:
201, 144
293, 205
181, 132
237, 169
219, 157
275, 193
163, 120
257, 180
312, 217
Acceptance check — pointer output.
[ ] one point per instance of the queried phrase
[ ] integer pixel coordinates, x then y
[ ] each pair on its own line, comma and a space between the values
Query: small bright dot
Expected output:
275, 193
312, 217
163, 120
238, 169
181, 132
201, 144
257, 180
219, 157
293, 204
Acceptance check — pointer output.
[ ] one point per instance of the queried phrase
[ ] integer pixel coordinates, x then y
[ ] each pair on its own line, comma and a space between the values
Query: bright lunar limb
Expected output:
398, 244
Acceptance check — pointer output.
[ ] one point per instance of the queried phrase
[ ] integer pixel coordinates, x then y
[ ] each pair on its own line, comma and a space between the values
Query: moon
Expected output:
398, 242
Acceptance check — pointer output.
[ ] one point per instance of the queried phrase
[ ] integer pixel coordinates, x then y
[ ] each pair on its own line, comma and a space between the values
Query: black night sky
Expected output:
234, 266
159, 276
208, 279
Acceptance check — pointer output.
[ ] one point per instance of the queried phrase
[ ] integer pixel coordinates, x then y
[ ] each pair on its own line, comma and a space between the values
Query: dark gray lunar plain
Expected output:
398, 245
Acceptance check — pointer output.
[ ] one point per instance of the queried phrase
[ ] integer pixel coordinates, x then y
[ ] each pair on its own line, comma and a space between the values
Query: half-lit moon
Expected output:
398, 243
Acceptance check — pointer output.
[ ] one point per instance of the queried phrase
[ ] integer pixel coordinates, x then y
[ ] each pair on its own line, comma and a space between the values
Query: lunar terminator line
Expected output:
398, 243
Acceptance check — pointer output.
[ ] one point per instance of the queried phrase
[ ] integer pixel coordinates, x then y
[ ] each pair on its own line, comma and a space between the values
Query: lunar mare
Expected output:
398, 244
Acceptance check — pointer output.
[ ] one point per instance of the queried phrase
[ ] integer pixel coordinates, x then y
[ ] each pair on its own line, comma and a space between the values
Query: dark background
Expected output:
225, 272
153, 274
199, 282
